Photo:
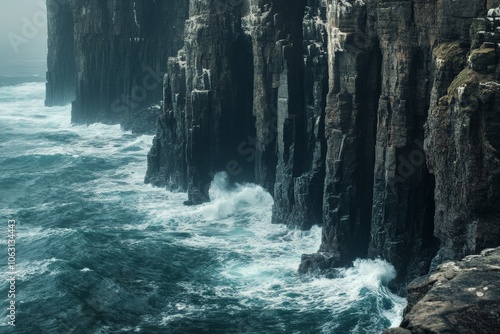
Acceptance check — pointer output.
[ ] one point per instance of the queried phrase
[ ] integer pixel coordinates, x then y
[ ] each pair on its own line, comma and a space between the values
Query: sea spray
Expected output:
102, 251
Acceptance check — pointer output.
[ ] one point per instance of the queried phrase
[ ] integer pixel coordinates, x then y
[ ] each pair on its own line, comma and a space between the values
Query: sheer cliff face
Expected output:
325, 103
208, 105
334, 127
402, 221
61, 74
462, 142
341, 93
108, 57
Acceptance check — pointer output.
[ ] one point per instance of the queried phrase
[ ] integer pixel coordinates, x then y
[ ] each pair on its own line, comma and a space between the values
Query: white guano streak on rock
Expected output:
336, 38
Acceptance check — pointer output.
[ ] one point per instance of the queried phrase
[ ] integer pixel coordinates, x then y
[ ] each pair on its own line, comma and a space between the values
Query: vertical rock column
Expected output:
410, 33
300, 118
379, 194
167, 157
401, 182
290, 84
121, 48
208, 102
349, 132
305, 179
61, 74
108, 56
462, 144
261, 25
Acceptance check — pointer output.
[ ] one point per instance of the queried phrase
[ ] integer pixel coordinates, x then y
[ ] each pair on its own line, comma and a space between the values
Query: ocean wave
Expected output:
97, 239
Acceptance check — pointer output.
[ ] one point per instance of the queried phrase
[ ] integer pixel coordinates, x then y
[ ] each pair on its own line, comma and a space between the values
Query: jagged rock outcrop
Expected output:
459, 297
325, 103
208, 104
341, 91
403, 207
351, 106
292, 112
462, 144
108, 57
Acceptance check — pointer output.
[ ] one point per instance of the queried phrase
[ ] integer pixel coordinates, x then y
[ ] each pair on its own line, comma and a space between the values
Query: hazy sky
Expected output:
23, 29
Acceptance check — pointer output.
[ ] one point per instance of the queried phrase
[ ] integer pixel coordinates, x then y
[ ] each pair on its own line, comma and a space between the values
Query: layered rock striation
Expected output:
334, 127
462, 144
208, 94
61, 63
373, 118
108, 57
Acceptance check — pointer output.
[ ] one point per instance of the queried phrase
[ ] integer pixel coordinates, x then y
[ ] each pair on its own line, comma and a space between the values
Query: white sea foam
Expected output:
237, 224
255, 261
225, 202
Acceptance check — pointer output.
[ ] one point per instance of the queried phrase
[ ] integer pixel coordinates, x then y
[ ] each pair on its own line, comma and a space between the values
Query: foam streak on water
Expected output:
101, 252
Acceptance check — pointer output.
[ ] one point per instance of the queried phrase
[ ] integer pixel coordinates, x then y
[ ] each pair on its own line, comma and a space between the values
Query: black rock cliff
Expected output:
377, 119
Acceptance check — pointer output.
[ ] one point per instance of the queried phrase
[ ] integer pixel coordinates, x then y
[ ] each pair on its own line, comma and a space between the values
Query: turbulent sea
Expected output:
98, 251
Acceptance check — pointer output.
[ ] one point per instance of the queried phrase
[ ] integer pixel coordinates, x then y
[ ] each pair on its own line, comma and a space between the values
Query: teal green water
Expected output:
98, 251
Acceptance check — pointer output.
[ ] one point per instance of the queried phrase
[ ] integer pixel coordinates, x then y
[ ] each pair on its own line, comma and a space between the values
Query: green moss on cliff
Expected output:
451, 52
467, 78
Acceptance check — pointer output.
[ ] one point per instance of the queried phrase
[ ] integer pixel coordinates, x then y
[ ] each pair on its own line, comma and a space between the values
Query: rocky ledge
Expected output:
459, 297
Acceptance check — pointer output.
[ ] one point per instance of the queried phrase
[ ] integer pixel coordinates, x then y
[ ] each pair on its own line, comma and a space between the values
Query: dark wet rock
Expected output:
61, 62
143, 120
376, 119
108, 57
403, 206
318, 263
461, 144
207, 119
459, 297
483, 60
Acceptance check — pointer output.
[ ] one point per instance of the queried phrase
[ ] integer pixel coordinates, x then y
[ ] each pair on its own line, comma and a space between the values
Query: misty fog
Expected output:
23, 30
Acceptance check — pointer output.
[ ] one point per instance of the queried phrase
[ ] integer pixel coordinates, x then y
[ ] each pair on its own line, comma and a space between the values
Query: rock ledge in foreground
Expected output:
459, 297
